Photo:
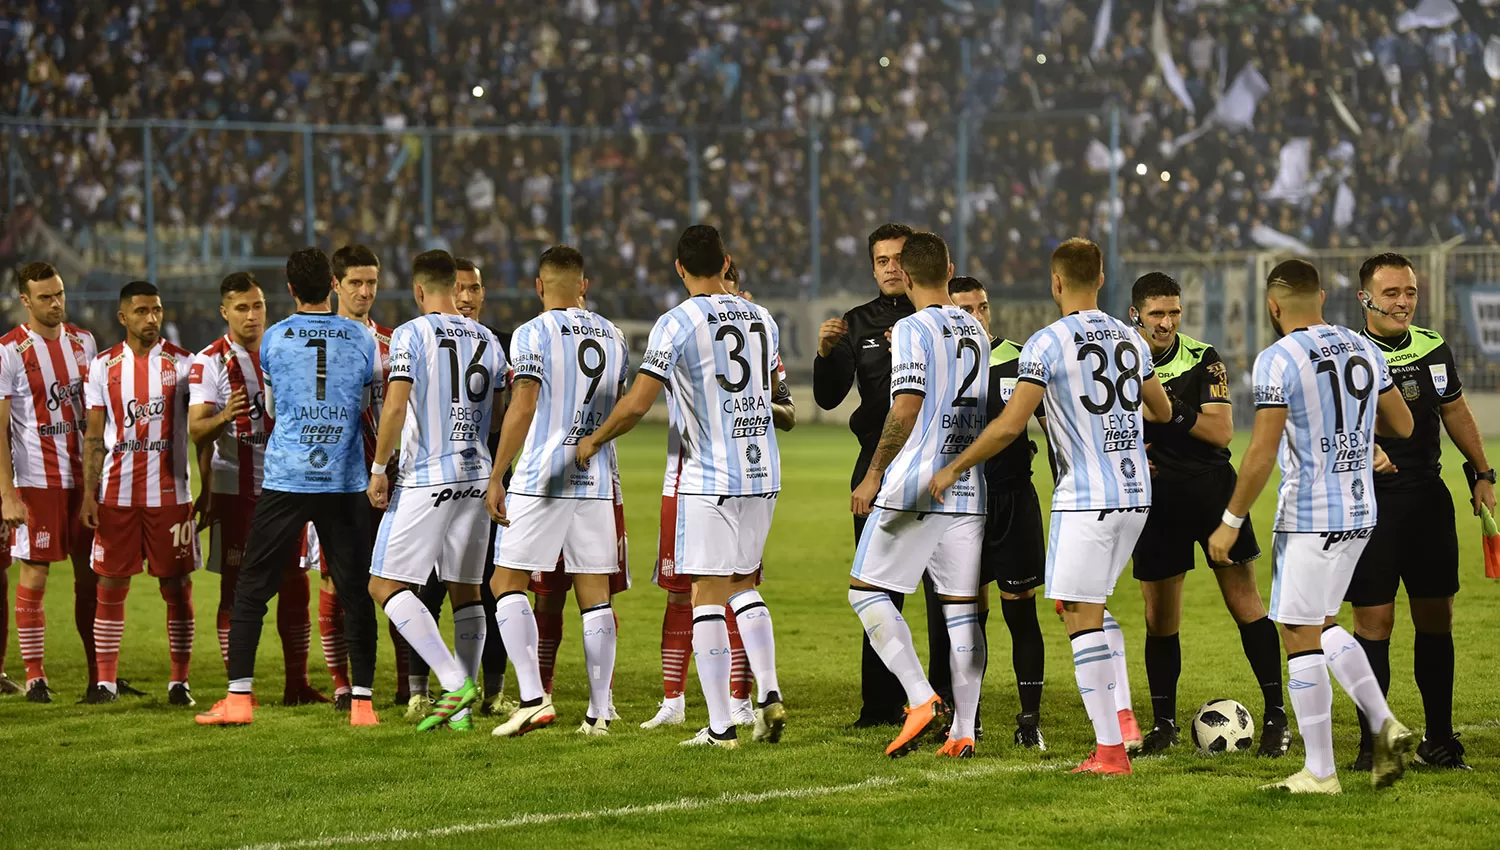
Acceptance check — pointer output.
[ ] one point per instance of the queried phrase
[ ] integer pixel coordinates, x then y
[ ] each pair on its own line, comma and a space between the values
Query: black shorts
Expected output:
1014, 552
1415, 543
1185, 513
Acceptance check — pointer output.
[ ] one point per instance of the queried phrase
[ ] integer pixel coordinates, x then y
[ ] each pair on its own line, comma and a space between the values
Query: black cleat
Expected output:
125, 690
403, 697
99, 695
9, 686
1275, 737
1029, 731
870, 721
1162, 737
1443, 753
341, 701
39, 692
180, 694
1365, 761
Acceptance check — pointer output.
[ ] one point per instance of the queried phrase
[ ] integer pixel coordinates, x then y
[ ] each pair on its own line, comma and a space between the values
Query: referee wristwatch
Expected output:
1476, 476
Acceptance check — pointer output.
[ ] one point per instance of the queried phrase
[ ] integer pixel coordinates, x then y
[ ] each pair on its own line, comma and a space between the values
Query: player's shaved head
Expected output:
559, 272
434, 270
924, 258
1294, 295
1079, 263
1294, 278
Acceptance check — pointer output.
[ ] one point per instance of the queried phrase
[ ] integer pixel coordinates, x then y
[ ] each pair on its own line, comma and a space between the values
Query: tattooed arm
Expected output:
93, 466
898, 426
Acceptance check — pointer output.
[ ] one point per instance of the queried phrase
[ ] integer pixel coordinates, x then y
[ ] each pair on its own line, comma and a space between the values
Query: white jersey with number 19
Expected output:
717, 353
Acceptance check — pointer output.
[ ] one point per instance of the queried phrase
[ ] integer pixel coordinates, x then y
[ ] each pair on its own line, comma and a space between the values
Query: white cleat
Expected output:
742, 712
594, 727
706, 738
673, 712
527, 719
1303, 782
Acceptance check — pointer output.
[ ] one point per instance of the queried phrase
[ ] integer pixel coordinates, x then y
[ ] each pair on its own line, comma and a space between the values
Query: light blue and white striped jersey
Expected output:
580, 360
718, 353
1329, 380
1092, 366
942, 354
455, 366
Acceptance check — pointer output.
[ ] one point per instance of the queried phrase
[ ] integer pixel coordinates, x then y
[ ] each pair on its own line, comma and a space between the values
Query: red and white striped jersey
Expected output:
382, 335
145, 400
219, 371
44, 381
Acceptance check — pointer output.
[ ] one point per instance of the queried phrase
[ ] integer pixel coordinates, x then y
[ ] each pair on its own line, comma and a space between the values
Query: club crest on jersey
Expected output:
1127, 468
1439, 377
1357, 490
1410, 391
317, 458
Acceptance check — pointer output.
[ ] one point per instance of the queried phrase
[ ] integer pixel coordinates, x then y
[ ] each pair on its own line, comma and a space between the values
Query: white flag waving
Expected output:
1161, 47
1292, 178
1430, 14
1236, 110
1102, 26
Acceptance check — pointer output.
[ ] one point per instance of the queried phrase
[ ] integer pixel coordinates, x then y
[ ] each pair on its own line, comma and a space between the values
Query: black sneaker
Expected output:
1029, 731
1443, 753
9, 686
870, 721
99, 695
1365, 760
1162, 737
180, 694
403, 697
1275, 737
125, 690
341, 701
39, 692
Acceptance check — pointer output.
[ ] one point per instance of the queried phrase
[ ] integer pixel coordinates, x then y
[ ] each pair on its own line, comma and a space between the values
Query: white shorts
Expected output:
1311, 572
312, 551
582, 531
897, 547
442, 525
1088, 550
722, 535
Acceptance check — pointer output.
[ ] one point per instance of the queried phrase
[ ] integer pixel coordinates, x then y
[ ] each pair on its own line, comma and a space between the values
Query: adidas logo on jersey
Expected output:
1332, 537
448, 494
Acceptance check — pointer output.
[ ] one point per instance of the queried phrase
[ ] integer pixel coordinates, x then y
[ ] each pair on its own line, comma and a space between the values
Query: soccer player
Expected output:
1013, 554
1410, 495
447, 375
1191, 480
1096, 376
939, 390
729, 474
135, 484
8, 686
677, 622
1322, 393
228, 417
319, 369
43, 363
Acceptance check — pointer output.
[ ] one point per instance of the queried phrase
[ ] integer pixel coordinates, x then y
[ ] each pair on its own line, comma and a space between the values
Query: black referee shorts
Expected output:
1014, 552
1184, 513
1415, 543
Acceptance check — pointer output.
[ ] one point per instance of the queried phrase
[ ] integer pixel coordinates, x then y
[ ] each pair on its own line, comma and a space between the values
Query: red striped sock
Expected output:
109, 627
331, 629
676, 648
31, 630
549, 626
227, 580
180, 626
739, 668
293, 624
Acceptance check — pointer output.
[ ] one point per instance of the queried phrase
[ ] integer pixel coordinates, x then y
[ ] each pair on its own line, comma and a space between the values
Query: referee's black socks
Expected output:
1263, 650
1379, 653
1163, 669
1432, 662
1028, 653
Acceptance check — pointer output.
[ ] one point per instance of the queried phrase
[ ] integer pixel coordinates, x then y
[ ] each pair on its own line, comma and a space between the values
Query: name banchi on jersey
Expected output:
1093, 368
1329, 379
940, 353
580, 360
455, 366
718, 355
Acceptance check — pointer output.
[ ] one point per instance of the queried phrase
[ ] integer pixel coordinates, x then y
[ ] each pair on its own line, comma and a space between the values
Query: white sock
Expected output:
711, 654
1095, 670
412, 619
599, 656
1116, 639
240, 686
1312, 704
891, 638
759, 638
967, 659
1351, 667
470, 631
517, 626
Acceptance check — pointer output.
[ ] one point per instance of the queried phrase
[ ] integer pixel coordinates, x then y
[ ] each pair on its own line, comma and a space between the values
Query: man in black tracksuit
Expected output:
856, 350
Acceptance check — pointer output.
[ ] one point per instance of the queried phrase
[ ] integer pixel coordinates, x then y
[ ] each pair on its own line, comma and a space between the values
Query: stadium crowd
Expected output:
883, 81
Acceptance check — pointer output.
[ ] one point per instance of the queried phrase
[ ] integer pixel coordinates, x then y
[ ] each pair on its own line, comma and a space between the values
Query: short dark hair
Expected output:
562, 258
889, 230
1154, 285
134, 288
732, 274
1386, 260
310, 275
350, 256
434, 269
237, 282
1300, 276
964, 283
464, 264
1078, 262
924, 258
33, 271
701, 251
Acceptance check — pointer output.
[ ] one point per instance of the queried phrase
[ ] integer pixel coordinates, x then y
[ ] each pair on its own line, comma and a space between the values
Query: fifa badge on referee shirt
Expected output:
1439, 377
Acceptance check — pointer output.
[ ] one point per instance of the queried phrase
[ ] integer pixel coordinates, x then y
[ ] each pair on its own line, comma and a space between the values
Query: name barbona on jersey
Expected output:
1353, 451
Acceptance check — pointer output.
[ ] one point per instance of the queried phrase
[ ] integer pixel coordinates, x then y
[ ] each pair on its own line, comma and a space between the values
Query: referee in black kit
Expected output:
857, 350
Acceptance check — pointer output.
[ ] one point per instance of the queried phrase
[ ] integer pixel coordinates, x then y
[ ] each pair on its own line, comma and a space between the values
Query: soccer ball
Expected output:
1222, 725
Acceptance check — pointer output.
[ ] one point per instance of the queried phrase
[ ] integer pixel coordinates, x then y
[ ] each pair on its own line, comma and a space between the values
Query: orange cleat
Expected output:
962, 748
1109, 760
302, 693
1130, 731
930, 716
362, 713
233, 710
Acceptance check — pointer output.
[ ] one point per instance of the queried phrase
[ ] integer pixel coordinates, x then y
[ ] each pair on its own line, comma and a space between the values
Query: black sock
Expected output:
1028, 654
939, 647
1432, 661
1379, 653
1163, 669
984, 635
1263, 650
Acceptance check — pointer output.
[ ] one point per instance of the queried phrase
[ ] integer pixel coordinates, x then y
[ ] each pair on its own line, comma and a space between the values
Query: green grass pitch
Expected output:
141, 774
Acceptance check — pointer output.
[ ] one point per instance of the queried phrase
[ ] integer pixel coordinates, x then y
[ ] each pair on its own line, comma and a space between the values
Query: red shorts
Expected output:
666, 576
4, 553
557, 581
53, 529
165, 538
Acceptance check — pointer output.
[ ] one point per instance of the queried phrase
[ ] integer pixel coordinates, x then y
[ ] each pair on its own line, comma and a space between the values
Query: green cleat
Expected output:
462, 723
449, 704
